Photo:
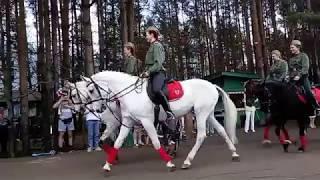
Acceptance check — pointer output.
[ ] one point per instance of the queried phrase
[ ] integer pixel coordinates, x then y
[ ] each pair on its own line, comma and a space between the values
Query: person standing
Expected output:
250, 115
65, 122
93, 120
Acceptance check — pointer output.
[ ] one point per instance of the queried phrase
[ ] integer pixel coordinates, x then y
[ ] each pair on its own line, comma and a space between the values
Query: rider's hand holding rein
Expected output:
145, 74
296, 78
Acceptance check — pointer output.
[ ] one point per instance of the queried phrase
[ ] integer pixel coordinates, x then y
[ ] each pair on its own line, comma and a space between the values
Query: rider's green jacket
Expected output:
155, 58
278, 71
131, 65
299, 65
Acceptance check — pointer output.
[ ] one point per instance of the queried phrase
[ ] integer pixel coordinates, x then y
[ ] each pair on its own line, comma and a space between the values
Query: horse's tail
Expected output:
230, 115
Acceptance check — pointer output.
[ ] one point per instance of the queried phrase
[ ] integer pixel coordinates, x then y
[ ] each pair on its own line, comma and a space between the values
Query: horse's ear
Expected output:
83, 78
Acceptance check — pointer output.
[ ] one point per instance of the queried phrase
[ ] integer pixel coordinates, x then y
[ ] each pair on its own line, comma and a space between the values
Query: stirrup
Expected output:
317, 112
170, 115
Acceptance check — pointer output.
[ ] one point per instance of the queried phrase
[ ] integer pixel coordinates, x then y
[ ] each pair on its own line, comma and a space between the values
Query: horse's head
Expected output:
256, 89
96, 93
79, 94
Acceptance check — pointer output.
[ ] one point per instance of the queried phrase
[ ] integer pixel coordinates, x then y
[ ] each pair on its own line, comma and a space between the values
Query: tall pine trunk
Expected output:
87, 38
23, 75
47, 118
257, 39
7, 81
65, 64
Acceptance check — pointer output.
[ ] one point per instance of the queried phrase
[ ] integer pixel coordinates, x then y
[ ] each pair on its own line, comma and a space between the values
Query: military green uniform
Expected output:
299, 66
155, 58
131, 65
278, 71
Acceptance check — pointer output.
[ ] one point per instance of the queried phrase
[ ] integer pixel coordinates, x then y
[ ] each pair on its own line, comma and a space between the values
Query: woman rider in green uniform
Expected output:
154, 68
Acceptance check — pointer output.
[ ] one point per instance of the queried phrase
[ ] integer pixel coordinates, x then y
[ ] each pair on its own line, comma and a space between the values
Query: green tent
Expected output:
232, 83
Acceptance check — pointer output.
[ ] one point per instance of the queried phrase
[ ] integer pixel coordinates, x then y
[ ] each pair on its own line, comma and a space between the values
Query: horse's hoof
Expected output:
171, 167
106, 167
301, 149
236, 159
185, 166
266, 142
285, 147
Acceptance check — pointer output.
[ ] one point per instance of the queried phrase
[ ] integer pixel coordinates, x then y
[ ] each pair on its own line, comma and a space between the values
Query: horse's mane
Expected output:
106, 74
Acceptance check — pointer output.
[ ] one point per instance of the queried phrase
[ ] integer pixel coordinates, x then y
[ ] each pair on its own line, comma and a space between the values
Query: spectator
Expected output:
93, 126
65, 122
250, 112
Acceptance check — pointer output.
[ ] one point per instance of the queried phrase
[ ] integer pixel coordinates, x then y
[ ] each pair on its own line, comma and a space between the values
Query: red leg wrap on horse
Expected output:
266, 132
303, 140
112, 155
163, 154
286, 134
281, 138
106, 148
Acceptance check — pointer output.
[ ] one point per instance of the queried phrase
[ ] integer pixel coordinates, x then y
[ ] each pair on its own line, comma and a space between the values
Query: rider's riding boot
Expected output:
166, 106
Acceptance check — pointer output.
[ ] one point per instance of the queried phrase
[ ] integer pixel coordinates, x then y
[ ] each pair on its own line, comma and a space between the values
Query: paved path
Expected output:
212, 163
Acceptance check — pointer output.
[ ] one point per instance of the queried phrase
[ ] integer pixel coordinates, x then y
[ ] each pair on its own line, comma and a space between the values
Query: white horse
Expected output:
110, 117
136, 105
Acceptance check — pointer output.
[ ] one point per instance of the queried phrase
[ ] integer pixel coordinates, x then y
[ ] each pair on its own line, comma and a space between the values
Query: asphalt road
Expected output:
213, 162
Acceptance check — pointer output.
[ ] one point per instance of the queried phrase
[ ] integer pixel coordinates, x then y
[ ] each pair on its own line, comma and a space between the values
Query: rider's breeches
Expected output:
307, 87
250, 112
158, 81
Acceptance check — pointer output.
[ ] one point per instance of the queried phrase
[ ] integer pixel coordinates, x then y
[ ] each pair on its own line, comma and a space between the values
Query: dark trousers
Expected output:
3, 138
158, 81
307, 87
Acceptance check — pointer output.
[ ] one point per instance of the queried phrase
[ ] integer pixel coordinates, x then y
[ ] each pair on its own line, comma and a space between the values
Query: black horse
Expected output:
282, 102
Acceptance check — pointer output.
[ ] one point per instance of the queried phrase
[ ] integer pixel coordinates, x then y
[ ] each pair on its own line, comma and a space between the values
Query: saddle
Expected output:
172, 89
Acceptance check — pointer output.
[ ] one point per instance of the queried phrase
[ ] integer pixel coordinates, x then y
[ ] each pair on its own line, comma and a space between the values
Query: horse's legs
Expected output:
286, 135
266, 130
221, 131
201, 135
106, 134
152, 133
303, 138
281, 138
312, 124
113, 151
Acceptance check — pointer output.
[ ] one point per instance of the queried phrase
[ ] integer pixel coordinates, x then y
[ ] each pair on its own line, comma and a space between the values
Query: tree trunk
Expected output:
248, 46
55, 53
130, 20
65, 64
262, 36
178, 41
257, 39
23, 74
100, 33
87, 38
47, 119
80, 64
220, 62
124, 23
273, 19
7, 81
